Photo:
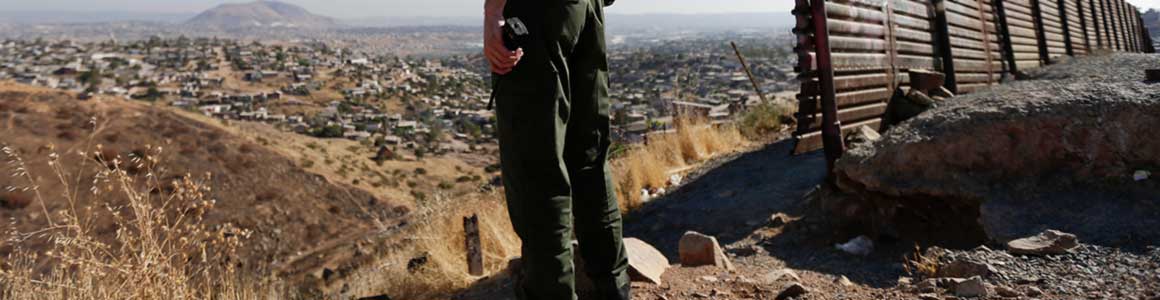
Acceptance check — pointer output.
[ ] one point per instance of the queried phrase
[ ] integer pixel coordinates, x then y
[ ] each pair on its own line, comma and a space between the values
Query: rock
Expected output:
1034, 291
929, 296
792, 290
1007, 292
904, 281
843, 281
1050, 242
971, 288
696, 249
860, 245
780, 275
645, 263
1141, 175
778, 219
710, 279
965, 269
942, 92
927, 286
864, 135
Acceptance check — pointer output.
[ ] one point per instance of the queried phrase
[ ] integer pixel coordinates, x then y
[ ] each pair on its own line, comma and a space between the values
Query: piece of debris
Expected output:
710, 279
1047, 243
697, 249
1141, 175
861, 246
645, 262
965, 269
781, 275
928, 296
970, 288
675, 180
792, 290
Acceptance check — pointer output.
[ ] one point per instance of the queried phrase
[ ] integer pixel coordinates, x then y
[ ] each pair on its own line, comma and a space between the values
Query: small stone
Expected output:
1141, 175
973, 287
710, 279
843, 281
904, 281
645, 263
965, 269
697, 249
700, 295
1046, 243
1034, 291
928, 296
780, 275
927, 286
778, 219
1007, 292
792, 290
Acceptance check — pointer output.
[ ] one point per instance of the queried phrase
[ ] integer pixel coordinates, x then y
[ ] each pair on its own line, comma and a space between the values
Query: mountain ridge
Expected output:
260, 14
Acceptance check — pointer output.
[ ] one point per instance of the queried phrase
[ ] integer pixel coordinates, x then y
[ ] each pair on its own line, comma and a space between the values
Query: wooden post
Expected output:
1005, 36
748, 73
942, 43
1040, 35
474, 246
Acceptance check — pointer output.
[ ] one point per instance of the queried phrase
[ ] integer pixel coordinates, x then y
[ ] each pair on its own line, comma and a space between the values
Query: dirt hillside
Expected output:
299, 214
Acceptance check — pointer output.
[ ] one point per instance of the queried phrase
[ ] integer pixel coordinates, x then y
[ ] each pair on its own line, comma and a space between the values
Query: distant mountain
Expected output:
260, 14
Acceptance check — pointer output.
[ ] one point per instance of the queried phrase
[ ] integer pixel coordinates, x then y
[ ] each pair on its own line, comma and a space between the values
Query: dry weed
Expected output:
649, 166
161, 249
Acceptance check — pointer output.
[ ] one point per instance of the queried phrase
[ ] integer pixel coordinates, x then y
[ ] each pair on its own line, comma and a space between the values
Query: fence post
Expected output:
474, 245
943, 45
1095, 24
1087, 40
1062, 7
1005, 36
831, 126
808, 96
1041, 39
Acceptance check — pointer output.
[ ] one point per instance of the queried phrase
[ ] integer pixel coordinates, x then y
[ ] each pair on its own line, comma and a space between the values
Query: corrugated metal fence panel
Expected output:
1114, 13
1052, 29
874, 43
1021, 28
1090, 11
1075, 27
871, 43
977, 57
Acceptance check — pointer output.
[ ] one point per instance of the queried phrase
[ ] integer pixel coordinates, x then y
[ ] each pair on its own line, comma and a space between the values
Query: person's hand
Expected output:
501, 58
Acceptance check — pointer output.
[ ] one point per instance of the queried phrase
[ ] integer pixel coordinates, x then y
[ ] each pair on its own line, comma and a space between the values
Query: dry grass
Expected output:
431, 261
161, 249
922, 264
650, 166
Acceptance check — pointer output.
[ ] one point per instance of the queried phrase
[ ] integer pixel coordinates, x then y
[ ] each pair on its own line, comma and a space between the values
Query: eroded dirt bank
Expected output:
1057, 151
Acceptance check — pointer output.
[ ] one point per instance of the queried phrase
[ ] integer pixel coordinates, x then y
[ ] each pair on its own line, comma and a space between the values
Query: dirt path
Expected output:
729, 198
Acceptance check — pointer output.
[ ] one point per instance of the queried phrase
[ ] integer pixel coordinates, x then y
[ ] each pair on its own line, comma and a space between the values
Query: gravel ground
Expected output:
1091, 272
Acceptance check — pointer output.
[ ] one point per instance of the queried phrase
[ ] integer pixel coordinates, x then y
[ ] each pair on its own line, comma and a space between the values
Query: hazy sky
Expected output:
364, 8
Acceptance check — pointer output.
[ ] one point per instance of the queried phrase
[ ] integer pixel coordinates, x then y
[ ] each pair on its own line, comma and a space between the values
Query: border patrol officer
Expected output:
551, 94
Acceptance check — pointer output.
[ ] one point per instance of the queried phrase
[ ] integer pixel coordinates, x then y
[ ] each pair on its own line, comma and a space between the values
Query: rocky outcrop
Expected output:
1058, 151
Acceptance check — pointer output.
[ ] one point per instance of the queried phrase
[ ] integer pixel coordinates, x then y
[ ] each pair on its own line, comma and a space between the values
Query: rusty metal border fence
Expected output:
854, 55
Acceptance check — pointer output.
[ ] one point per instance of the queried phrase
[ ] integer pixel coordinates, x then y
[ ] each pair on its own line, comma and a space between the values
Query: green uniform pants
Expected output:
552, 112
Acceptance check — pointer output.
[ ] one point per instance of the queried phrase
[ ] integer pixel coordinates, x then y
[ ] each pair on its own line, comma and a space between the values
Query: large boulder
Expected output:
697, 249
1007, 162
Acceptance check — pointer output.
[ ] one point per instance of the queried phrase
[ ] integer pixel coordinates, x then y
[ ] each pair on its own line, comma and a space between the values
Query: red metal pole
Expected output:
831, 127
